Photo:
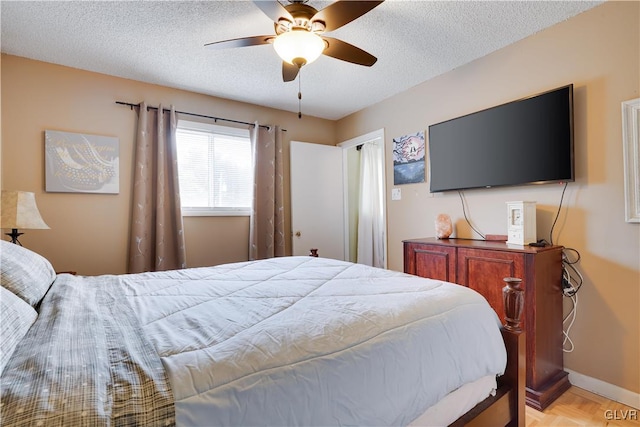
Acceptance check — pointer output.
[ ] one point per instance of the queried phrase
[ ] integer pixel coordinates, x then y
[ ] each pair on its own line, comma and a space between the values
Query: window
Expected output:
214, 169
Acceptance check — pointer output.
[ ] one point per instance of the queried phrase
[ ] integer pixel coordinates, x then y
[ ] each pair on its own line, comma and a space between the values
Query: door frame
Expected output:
351, 143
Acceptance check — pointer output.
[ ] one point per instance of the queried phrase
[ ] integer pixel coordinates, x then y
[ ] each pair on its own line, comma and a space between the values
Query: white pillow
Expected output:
16, 317
24, 272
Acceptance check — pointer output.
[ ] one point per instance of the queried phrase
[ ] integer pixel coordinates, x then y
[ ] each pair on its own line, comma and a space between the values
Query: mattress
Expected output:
457, 403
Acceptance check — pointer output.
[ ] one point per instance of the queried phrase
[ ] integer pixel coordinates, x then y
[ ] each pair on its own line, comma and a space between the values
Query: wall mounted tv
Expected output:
528, 141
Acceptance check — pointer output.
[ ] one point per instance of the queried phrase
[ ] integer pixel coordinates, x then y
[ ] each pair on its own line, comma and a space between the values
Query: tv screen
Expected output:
522, 142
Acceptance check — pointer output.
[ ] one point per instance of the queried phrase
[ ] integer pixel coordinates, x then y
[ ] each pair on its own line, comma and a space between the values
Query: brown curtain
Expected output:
157, 238
266, 232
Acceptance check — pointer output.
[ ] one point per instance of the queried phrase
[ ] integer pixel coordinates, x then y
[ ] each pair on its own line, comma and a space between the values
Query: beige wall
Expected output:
598, 52
89, 232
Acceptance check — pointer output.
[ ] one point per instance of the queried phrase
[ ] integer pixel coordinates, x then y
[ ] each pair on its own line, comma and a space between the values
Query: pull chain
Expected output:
299, 95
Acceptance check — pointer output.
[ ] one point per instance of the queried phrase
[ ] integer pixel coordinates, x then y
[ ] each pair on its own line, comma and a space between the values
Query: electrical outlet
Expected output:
396, 194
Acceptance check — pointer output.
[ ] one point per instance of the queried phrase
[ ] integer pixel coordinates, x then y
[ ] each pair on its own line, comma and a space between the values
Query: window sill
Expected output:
189, 212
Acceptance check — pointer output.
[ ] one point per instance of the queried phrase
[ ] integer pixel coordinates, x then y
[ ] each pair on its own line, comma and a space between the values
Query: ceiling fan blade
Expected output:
289, 71
241, 42
274, 10
348, 52
342, 12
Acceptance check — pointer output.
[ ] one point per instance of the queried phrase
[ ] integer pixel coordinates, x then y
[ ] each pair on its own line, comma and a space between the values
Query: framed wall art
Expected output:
81, 163
408, 159
631, 155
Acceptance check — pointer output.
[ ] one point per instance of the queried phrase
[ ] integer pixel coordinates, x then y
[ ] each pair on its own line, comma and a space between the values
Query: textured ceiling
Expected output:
162, 42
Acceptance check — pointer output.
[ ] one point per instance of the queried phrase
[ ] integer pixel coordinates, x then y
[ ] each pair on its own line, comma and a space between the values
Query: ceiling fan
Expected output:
299, 33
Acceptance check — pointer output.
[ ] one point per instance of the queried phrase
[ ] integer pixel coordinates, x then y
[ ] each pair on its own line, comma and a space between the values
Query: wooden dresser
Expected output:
481, 265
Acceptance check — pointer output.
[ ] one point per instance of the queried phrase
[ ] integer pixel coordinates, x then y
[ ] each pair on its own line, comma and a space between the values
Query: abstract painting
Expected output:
408, 159
81, 163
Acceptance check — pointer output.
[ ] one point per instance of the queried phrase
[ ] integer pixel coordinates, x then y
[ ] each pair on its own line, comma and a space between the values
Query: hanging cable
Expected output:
571, 282
557, 214
571, 318
571, 278
465, 216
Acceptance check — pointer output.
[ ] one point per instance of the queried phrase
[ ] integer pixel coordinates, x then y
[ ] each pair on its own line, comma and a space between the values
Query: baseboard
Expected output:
604, 389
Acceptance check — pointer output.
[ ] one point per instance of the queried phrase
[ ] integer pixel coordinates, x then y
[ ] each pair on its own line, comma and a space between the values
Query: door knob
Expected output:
298, 234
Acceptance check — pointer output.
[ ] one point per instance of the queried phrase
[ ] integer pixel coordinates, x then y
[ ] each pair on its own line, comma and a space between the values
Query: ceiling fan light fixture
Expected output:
299, 46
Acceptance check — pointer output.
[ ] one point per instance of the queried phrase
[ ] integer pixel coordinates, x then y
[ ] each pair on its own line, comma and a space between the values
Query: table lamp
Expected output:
19, 210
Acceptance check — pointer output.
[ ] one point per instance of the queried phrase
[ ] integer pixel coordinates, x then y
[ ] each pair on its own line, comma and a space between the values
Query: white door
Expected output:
317, 202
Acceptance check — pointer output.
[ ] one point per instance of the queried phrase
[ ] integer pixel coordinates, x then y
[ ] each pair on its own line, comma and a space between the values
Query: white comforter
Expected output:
312, 341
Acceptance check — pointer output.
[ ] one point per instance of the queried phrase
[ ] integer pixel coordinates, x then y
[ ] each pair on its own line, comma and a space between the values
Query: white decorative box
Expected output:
521, 223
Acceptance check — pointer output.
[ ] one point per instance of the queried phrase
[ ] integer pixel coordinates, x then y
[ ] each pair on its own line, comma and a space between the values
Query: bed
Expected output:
280, 342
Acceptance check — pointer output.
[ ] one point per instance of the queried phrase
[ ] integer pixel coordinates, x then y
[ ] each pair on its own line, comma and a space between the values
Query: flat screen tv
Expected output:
528, 141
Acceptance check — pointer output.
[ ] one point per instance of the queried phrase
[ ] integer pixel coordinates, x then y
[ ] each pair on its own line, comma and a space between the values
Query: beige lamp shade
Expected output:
299, 45
19, 210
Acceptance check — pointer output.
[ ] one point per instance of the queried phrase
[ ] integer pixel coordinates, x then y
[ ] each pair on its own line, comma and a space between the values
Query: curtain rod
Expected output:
195, 115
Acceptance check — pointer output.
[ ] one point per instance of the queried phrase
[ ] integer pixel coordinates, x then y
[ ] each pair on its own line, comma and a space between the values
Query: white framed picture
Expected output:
81, 163
631, 155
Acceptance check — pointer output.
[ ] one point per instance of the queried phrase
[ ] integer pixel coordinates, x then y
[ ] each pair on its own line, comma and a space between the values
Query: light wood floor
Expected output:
578, 407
